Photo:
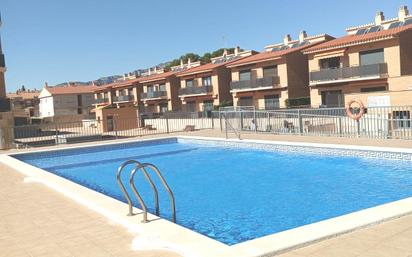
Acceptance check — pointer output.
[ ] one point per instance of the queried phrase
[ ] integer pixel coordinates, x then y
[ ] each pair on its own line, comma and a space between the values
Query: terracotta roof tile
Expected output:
351, 40
24, 95
156, 77
71, 90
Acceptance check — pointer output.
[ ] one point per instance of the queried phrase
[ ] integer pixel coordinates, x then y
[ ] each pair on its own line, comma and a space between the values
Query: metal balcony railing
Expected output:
195, 90
101, 100
2, 61
255, 83
155, 94
123, 98
363, 71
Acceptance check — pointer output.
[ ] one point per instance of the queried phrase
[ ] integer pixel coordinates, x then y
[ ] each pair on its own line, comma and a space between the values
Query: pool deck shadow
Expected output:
38, 221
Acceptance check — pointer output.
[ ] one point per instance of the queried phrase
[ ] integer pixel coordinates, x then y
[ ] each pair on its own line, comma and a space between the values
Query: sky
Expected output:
82, 40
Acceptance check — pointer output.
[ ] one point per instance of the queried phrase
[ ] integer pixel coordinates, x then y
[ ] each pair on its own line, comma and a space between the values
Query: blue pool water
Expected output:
237, 194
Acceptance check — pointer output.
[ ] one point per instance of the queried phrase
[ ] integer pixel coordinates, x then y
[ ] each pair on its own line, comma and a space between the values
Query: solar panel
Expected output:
407, 22
361, 32
374, 29
304, 43
394, 25
275, 49
283, 47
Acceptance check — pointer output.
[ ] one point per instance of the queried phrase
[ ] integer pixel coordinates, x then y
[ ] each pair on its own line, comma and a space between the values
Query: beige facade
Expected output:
269, 80
375, 67
117, 118
161, 95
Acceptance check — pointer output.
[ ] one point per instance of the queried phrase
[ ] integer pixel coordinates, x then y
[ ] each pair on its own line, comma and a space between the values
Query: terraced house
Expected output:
372, 63
160, 89
208, 85
118, 101
275, 77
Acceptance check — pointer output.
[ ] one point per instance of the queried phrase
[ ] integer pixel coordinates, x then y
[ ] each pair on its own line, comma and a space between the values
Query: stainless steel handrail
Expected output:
142, 167
127, 196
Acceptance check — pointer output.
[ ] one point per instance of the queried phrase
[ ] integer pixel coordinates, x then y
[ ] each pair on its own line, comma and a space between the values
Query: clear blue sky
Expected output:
82, 40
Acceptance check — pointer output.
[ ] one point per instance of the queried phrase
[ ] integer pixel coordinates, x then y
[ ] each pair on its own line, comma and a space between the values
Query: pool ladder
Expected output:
142, 167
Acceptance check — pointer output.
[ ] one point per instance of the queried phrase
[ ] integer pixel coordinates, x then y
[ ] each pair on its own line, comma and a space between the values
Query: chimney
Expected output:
189, 62
155, 69
237, 50
46, 85
181, 63
287, 39
379, 17
150, 71
302, 35
225, 52
403, 12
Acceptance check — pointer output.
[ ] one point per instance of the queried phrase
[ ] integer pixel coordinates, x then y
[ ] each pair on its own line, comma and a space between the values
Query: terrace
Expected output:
153, 95
255, 84
332, 75
195, 90
123, 98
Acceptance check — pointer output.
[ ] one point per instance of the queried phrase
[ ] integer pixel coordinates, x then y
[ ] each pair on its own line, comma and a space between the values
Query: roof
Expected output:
66, 90
271, 55
351, 40
207, 67
24, 95
157, 77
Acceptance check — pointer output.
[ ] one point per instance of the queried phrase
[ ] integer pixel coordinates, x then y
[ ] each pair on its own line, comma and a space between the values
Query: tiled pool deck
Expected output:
38, 221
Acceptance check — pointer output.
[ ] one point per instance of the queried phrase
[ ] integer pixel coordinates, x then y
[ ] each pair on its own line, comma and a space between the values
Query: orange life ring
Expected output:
355, 116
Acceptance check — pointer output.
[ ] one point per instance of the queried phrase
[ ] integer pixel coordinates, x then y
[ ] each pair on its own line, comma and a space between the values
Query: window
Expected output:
130, 91
271, 102
79, 110
106, 95
373, 89
245, 75
270, 71
245, 101
150, 88
189, 83
123, 92
162, 87
208, 105
329, 63
402, 119
371, 57
163, 107
191, 106
79, 100
332, 99
206, 81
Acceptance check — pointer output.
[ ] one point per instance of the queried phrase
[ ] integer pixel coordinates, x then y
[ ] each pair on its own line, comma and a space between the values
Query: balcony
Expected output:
101, 101
195, 90
153, 95
123, 98
378, 70
260, 83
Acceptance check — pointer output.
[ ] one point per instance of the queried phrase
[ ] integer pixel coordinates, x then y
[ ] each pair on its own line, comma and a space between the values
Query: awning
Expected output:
99, 108
331, 54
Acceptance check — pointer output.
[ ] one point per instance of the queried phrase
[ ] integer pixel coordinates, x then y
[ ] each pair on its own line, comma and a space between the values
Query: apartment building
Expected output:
372, 63
24, 105
66, 103
207, 86
161, 89
274, 77
116, 104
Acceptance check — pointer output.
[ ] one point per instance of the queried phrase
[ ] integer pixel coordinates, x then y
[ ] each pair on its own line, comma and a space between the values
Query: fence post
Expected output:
300, 123
167, 123
226, 127
358, 126
213, 120
115, 127
340, 126
254, 119
220, 121
57, 135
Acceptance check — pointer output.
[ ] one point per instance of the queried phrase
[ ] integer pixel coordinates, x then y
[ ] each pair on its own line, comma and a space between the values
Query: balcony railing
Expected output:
255, 83
195, 90
154, 94
363, 71
2, 61
123, 98
101, 100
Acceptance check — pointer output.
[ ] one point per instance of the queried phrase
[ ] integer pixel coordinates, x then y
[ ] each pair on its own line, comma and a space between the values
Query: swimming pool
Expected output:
233, 191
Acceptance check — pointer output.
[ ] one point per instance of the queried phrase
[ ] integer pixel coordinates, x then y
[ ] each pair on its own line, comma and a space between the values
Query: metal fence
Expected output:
377, 122
92, 130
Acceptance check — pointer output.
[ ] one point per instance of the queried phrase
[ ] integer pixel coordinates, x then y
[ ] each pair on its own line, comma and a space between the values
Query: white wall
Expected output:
46, 107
